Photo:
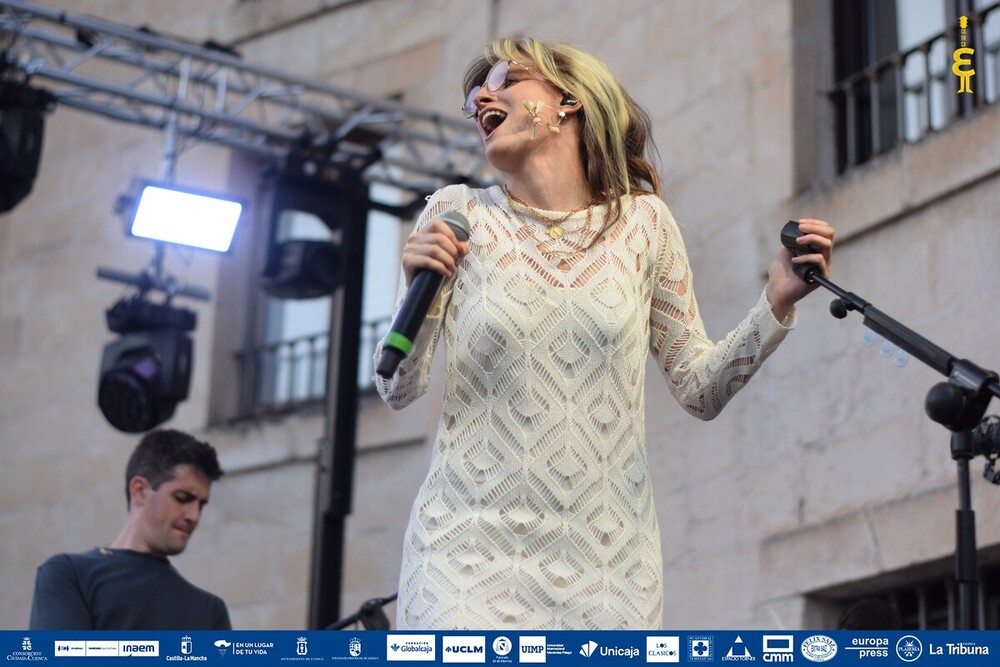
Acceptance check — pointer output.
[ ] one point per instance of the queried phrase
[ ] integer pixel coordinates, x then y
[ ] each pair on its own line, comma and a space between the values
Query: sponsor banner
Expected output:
463, 649
722, 648
411, 648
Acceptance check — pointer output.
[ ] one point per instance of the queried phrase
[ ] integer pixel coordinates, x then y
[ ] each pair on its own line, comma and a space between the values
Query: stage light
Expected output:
182, 216
143, 378
22, 125
147, 371
301, 270
299, 267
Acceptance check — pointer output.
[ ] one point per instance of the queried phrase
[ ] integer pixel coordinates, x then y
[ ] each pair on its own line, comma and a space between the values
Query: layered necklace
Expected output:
554, 225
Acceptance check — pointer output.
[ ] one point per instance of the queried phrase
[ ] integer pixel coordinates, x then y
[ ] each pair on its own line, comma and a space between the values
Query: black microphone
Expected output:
789, 233
413, 311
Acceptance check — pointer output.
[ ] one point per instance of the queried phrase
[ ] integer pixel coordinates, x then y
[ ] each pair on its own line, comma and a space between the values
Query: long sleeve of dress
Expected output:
703, 376
411, 379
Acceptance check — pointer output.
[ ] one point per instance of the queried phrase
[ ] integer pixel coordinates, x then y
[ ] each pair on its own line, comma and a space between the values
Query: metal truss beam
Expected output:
204, 94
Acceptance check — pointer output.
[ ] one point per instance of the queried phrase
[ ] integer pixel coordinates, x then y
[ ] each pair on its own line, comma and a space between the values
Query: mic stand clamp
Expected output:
987, 438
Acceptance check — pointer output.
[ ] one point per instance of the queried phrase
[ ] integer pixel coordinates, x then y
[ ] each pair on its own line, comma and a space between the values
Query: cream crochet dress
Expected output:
537, 511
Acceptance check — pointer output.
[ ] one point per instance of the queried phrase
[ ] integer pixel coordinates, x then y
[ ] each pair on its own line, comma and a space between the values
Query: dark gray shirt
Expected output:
117, 589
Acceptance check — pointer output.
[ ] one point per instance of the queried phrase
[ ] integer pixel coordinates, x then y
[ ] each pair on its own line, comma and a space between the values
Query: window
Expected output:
893, 66
291, 363
287, 370
932, 603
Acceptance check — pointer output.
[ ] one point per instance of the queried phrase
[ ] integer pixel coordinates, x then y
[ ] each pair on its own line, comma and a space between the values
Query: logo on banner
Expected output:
593, 648
74, 649
909, 648
145, 648
700, 648
778, 648
463, 649
260, 649
663, 649
818, 648
187, 648
222, 645
103, 649
354, 647
957, 648
26, 654
502, 646
738, 651
869, 647
301, 646
410, 647
531, 649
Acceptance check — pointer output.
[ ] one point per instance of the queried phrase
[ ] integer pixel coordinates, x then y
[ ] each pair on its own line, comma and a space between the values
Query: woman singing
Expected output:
537, 511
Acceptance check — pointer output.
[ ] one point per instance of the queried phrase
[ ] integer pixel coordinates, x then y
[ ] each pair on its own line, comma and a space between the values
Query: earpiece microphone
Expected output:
567, 100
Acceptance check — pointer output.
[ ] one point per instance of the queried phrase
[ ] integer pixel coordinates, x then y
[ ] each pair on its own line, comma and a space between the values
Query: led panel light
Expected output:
185, 217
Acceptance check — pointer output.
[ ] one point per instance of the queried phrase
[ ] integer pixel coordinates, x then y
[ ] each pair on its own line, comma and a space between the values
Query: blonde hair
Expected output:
615, 131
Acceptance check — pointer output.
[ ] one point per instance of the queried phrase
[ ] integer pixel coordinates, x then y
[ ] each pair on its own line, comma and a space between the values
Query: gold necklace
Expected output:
540, 242
554, 224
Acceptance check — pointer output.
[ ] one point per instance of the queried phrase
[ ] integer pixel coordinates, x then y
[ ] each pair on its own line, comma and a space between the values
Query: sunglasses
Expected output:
494, 81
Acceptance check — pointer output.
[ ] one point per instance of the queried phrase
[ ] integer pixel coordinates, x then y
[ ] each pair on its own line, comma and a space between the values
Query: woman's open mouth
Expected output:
490, 120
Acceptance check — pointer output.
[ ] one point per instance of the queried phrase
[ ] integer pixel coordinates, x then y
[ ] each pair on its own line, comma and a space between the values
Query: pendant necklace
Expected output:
554, 225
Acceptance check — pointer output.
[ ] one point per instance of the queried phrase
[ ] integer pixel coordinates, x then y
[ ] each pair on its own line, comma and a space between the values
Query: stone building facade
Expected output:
823, 481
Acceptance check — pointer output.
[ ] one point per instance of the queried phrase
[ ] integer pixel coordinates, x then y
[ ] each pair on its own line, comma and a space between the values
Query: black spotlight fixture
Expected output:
299, 268
147, 371
22, 122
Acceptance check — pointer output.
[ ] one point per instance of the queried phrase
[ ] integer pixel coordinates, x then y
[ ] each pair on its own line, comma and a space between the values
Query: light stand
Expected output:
958, 404
154, 279
346, 201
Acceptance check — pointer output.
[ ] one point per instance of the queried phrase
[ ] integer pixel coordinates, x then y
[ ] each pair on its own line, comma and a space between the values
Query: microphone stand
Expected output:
958, 404
370, 615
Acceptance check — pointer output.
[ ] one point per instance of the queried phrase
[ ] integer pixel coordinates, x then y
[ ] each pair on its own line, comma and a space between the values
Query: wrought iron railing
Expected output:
290, 375
908, 95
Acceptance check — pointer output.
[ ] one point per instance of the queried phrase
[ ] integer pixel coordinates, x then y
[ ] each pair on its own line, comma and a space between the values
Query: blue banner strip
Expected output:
363, 648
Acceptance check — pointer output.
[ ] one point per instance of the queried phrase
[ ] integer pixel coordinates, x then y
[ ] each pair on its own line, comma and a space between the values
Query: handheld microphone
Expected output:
789, 233
413, 311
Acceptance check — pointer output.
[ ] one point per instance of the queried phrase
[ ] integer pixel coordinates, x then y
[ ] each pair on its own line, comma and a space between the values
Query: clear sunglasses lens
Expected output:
497, 76
494, 81
469, 108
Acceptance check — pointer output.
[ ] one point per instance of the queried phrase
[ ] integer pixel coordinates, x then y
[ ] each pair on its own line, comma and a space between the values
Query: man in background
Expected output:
130, 584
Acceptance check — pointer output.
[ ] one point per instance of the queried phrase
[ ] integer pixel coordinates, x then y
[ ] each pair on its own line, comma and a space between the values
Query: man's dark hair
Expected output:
162, 450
